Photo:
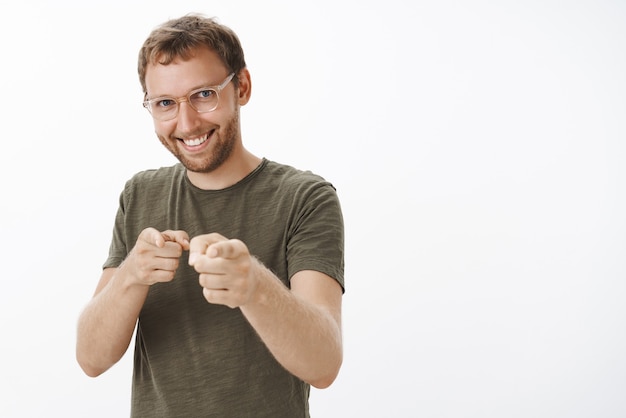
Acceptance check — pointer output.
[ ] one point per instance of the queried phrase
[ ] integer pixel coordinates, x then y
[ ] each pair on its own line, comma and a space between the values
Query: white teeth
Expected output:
197, 141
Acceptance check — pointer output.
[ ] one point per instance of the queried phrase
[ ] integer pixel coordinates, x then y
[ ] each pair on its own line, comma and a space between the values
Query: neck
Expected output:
234, 169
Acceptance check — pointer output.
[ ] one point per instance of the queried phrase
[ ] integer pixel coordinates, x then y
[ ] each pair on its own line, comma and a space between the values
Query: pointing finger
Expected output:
230, 249
200, 244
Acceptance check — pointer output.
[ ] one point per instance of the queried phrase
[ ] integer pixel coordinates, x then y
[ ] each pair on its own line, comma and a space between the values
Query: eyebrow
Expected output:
171, 96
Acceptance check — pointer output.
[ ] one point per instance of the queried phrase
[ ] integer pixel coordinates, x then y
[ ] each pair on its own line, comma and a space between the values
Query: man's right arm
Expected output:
106, 325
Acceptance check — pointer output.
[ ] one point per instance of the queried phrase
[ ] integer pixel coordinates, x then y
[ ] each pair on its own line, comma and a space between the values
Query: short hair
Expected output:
179, 38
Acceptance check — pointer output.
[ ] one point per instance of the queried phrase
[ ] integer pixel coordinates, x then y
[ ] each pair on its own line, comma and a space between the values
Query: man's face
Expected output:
202, 142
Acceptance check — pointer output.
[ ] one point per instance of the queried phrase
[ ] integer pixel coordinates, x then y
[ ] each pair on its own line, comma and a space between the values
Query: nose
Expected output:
188, 118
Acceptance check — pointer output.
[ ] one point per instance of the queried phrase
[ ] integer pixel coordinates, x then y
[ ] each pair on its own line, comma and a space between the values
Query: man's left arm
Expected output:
300, 326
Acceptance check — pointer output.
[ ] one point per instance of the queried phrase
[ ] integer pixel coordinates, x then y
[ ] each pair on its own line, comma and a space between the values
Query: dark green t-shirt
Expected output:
196, 359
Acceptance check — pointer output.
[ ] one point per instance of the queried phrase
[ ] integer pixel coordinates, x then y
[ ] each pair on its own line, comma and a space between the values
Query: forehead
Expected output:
202, 68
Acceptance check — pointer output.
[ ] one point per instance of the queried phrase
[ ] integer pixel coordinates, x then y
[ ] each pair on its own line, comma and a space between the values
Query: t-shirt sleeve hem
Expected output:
329, 270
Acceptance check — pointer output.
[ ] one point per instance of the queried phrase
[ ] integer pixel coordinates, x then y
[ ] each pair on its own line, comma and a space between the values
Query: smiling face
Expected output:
202, 142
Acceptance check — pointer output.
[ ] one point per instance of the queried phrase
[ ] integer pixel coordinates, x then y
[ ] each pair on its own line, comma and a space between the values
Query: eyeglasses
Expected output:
202, 100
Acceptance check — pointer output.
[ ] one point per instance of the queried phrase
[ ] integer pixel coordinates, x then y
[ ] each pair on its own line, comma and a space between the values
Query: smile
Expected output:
194, 142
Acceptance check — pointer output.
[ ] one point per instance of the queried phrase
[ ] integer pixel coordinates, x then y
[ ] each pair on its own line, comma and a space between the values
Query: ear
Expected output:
245, 86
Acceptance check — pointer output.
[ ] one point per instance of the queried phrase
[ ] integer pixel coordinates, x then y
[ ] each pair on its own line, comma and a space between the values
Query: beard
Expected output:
223, 146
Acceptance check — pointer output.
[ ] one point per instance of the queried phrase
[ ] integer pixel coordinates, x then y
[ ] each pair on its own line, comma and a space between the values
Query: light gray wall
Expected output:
478, 148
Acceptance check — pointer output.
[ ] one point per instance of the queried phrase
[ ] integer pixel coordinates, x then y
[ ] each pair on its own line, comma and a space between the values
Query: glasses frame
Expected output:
187, 98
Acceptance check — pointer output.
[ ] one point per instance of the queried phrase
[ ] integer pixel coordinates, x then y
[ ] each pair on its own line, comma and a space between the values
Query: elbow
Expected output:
325, 380
92, 371
322, 383
88, 368
92, 361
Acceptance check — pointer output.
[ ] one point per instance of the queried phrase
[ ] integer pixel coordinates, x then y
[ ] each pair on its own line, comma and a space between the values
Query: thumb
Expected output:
153, 237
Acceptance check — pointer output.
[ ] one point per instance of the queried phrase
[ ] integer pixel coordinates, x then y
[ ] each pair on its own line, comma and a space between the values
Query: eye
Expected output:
204, 94
164, 103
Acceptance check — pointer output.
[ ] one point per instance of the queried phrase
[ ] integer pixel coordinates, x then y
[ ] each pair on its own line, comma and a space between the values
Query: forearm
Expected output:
304, 337
106, 325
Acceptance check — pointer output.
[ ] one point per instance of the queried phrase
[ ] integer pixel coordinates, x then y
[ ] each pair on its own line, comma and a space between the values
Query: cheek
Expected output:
164, 129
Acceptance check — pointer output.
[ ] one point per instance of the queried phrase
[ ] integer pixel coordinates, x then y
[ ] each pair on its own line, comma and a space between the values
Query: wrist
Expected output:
266, 284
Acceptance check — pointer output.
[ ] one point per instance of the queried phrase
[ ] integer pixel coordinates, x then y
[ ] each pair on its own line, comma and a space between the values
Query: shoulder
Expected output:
288, 177
148, 184
157, 173
155, 177
302, 191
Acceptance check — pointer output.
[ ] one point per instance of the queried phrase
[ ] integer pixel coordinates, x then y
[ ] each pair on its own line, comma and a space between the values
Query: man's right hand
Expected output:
155, 257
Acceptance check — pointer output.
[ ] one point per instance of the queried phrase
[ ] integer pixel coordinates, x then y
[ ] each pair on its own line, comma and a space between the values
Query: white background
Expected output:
478, 148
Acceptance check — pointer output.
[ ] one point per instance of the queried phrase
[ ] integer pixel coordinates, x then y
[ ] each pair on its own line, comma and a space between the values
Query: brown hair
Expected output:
178, 38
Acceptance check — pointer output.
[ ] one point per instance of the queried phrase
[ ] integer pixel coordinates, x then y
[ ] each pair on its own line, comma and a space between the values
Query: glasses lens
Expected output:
163, 109
204, 100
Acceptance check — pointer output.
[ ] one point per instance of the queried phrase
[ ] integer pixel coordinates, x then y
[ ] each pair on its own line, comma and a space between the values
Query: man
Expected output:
229, 266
